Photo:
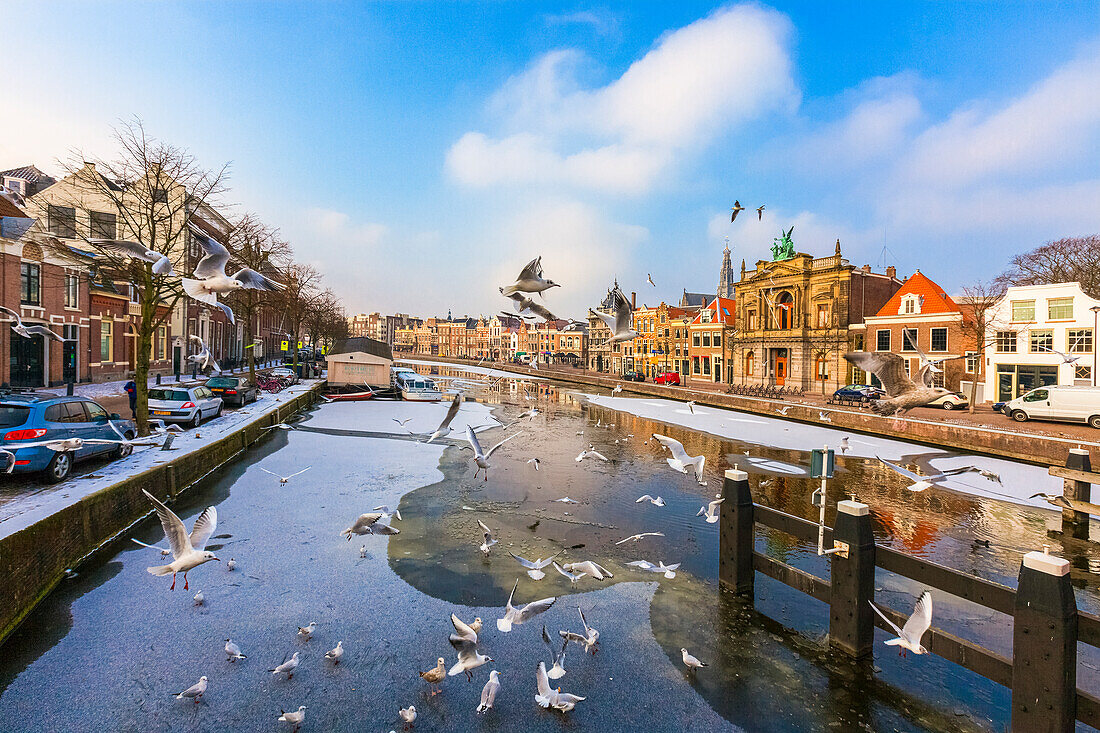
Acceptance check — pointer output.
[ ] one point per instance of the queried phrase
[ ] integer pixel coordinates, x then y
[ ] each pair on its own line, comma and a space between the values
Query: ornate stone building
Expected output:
793, 317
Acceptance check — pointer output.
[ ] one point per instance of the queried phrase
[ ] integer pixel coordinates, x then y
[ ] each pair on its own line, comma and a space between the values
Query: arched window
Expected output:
821, 368
750, 364
784, 305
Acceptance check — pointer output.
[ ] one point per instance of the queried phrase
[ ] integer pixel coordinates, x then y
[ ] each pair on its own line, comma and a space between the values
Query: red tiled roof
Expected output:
935, 299
7, 208
723, 307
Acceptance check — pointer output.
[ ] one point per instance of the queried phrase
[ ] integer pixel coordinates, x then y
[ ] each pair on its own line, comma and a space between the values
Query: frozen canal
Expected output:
106, 651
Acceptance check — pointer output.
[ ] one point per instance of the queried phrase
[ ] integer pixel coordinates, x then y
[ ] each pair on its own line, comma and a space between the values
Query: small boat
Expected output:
415, 387
349, 396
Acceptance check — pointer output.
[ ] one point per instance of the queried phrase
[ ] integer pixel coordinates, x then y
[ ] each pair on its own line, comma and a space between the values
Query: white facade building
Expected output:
1027, 328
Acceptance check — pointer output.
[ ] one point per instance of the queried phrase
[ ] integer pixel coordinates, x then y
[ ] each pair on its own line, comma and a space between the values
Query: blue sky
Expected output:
419, 153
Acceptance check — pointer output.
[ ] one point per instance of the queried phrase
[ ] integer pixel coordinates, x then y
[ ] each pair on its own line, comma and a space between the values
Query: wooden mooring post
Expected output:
1044, 647
851, 618
1074, 522
736, 536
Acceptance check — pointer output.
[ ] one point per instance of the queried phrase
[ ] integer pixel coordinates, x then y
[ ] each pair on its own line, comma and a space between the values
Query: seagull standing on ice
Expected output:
516, 615
435, 675
489, 692
233, 651
287, 667
187, 550
710, 511
681, 460
534, 569
296, 719
306, 632
334, 654
909, 636
408, 715
551, 698
194, 692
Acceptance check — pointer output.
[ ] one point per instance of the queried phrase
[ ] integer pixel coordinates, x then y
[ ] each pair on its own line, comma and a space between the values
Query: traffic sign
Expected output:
821, 463
285, 345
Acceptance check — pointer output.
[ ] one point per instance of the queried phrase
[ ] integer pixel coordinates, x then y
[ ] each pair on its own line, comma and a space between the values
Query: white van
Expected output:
1056, 402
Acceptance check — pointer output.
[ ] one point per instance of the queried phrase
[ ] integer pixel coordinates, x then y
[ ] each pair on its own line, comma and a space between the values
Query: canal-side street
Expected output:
770, 669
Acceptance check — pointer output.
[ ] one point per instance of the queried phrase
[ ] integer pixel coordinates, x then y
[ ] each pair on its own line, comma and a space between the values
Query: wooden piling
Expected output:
1044, 647
851, 619
736, 534
1077, 523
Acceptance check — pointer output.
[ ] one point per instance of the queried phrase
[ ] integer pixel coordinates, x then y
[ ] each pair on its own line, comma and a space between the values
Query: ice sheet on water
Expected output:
472, 368
379, 415
1018, 480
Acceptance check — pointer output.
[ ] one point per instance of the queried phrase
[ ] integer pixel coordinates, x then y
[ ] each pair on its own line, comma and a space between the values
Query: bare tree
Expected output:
325, 321
1073, 259
978, 304
153, 188
302, 289
255, 245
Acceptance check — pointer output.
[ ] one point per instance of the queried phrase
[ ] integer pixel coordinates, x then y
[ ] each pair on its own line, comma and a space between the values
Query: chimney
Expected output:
633, 301
867, 269
891, 272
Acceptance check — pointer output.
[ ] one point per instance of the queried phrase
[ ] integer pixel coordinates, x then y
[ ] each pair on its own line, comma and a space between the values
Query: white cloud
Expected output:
603, 22
337, 227
696, 82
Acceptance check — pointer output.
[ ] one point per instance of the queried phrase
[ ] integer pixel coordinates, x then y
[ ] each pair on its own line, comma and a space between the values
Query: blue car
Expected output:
999, 406
31, 418
858, 393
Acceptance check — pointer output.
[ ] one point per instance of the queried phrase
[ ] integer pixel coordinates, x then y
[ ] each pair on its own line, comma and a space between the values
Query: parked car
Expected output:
858, 392
284, 373
234, 390
667, 378
30, 417
952, 401
999, 406
187, 405
1057, 402
634, 377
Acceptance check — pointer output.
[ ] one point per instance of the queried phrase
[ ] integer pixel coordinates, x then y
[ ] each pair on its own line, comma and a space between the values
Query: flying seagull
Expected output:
161, 264
551, 698
919, 482
557, 671
525, 305
711, 509
534, 462
203, 357
649, 279
489, 541
590, 639
1062, 502
284, 479
368, 524
1066, 358
681, 460
636, 537
654, 500
211, 279
660, 567
516, 615
573, 577
593, 570
464, 640
737, 209
481, 457
445, 426
30, 331
530, 280
760, 212
909, 636
902, 393
591, 452
187, 550
620, 322
534, 569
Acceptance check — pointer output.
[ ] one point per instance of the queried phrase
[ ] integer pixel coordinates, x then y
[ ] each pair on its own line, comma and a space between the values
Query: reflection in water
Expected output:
771, 668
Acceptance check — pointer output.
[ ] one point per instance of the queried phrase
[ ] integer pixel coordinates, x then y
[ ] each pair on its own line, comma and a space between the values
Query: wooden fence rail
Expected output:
1042, 673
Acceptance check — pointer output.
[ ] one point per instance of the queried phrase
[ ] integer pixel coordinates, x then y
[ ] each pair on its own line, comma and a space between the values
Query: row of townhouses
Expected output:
48, 277
788, 321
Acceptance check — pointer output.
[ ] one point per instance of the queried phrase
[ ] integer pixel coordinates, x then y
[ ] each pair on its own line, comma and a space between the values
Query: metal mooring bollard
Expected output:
1078, 460
69, 388
158, 380
1044, 647
851, 619
736, 535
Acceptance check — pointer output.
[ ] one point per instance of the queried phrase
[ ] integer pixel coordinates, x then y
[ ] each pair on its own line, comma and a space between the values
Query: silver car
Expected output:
187, 405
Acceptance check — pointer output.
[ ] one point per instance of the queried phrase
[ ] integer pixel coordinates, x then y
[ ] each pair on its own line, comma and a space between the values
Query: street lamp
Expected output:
1095, 310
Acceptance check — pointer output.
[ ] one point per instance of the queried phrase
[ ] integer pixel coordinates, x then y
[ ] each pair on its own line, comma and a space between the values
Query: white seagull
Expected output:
573, 577
295, 718
306, 632
620, 322
617, 390
636, 537
824, 416
681, 460
691, 662
919, 482
591, 638
162, 550
161, 264
287, 667
29, 331
489, 692
187, 550
334, 654
534, 462
530, 280
488, 535
368, 524
557, 671
464, 640
445, 426
551, 698
284, 479
408, 715
233, 651
590, 452
481, 457
909, 636
654, 500
593, 570
387, 512
660, 567
534, 569
567, 500
710, 511
203, 357
516, 615
211, 279
194, 692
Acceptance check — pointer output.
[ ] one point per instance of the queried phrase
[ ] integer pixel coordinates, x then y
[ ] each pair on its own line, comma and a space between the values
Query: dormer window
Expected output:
910, 305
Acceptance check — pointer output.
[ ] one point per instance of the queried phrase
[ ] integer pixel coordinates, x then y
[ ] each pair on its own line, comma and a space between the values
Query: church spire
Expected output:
726, 278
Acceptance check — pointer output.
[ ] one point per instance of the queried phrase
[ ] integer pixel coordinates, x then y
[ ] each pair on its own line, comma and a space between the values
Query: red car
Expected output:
667, 378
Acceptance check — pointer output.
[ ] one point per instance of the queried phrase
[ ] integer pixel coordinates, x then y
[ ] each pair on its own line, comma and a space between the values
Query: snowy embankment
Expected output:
1014, 482
42, 501
473, 369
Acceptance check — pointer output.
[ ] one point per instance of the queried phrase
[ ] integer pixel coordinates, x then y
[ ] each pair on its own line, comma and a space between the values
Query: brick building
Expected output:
709, 331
